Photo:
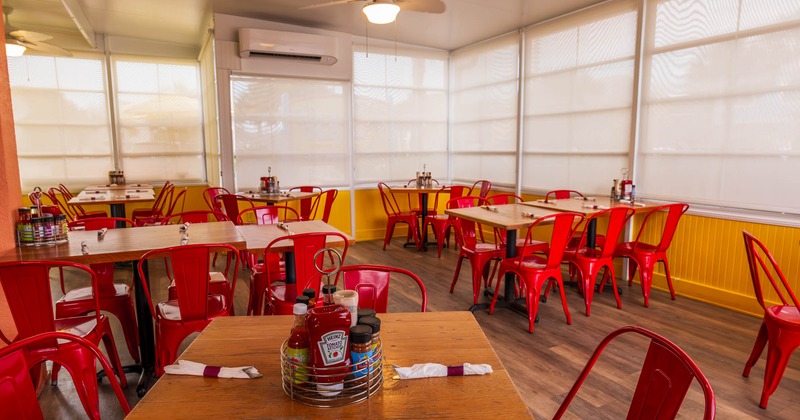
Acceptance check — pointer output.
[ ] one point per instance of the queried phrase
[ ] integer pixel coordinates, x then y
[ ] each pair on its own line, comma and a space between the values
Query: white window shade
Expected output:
578, 97
484, 106
61, 120
721, 104
299, 128
160, 121
400, 114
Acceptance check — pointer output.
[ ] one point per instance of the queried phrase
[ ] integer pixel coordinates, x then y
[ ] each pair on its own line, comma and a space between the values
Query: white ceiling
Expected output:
182, 21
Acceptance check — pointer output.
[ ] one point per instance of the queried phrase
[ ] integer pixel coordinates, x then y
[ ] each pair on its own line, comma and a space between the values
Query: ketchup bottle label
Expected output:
333, 347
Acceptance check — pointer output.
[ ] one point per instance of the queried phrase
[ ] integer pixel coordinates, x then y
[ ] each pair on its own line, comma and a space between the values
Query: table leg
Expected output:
118, 210
146, 338
424, 210
507, 300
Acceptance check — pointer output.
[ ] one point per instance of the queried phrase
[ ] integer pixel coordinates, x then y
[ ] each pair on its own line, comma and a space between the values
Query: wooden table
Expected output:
129, 245
449, 338
272, 199
120, 187
510, 218
116, 198
423, 204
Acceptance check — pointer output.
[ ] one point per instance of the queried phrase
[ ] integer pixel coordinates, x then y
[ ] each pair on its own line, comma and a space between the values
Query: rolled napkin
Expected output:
595, 206
545, 201
432, 370
635, 203
528, 214
584, 198
185, 367
490, 208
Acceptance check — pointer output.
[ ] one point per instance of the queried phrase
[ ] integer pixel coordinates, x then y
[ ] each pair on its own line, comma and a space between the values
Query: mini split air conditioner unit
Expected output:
307, 48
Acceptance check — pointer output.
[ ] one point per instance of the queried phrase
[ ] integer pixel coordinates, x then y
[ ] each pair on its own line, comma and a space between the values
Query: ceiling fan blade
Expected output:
330, 3
426, 6
44, 47
30, 36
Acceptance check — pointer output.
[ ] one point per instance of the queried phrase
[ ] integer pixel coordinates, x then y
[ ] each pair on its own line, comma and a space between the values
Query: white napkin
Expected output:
584, 198
595, 206
185, 367
430, 370
545, 201
635, 203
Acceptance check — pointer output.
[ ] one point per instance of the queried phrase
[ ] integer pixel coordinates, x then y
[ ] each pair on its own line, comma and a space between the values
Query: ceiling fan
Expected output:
385, 11
18, 40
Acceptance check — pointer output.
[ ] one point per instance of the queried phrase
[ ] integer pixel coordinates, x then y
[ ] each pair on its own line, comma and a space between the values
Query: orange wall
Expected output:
9, 168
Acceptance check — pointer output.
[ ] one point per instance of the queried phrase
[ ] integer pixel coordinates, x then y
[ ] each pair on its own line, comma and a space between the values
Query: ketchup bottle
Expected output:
328, 337
297, 350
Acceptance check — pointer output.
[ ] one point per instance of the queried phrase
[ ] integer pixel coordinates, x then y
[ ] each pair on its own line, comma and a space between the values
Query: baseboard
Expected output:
713, 296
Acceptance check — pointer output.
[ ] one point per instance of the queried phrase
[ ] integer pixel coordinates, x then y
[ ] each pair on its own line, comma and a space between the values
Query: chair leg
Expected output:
127, 318
632, 266
609, 271
758, 347
669, 278
500, 274
779, 350
388, 236
458, 271
532, 302
563, 299
113, 356
86, 387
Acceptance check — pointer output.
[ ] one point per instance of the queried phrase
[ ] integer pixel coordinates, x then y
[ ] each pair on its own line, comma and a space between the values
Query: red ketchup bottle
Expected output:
328, 338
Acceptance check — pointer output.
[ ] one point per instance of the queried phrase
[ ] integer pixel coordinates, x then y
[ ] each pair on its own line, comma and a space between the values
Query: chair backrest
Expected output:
459, 191
176, 202
563, 226
483, 187
304, 247
210, 194
388, 199
466, 230
669, 223
665, 378
505, 198
308, 206
372, 284
163, 198
66, 210
266, 215
327, 197
230, 204
97, 223
194, 216
761, 262
191, 267
18, 394
26, 285
561, 194
65, 191
617, 217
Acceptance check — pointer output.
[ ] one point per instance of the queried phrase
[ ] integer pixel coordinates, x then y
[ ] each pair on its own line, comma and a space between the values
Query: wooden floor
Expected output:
545, 364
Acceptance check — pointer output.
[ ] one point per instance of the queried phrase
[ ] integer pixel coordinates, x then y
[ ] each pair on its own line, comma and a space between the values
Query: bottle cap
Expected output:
328, 288
362, 312
302, 299
360, 334
309, 292
300, 309
371, 321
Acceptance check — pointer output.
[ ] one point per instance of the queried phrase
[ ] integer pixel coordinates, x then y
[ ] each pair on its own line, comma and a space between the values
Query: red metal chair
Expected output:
18, 393
115, 298
533, 266
72, 212
644, 255
665, 378
590, 261
230, 204
159, 208
562, 194
479, 254
210, 196
507, 198
780, 329
266, 215
194, 216
372, 284
395, 215
196, 305
26, 285
303, 259
327, 197
483, 187
417, 208
440, 223
308, 206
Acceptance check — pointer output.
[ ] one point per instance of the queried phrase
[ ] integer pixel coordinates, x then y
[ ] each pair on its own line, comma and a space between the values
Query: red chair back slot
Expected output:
308, 206
266, 215
210, 195
230, 204
483, 187
561, 194
372, 284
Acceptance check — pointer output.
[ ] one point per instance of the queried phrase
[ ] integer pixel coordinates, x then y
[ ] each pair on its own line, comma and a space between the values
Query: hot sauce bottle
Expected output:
297, 346
328, 338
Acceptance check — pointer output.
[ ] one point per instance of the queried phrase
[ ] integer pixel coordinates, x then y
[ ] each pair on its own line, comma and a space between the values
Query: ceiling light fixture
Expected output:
381, 12
14, 50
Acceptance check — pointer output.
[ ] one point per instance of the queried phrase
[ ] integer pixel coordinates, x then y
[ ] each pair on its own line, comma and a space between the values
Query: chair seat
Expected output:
79, 325
169, 310
486, 247
279, 305
84, 293
785, 314
534, 263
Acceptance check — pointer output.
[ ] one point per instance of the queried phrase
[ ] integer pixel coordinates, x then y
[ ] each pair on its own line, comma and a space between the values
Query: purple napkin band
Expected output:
213, 371
455, 370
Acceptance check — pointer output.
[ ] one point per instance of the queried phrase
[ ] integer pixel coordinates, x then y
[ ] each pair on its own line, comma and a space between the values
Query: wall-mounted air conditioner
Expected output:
297, 46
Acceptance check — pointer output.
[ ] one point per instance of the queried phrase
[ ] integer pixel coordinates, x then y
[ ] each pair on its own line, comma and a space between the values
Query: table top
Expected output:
449, 338
113, 196
258, 237
277, 198
119, 187
505, 216
587, 206
127, 244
